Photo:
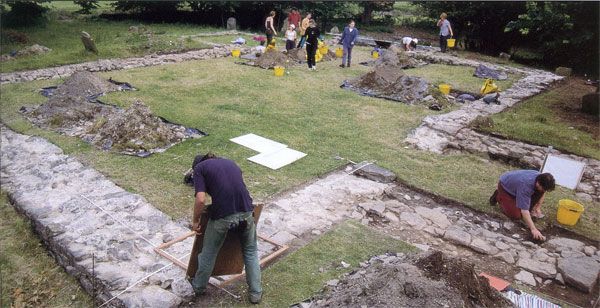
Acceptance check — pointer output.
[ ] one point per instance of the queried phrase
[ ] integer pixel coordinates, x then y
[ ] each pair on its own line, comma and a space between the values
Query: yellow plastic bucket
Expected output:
279, 71
339, 52
318, 56
451, 42
568, 212
235, 53
445, 88
375, 54
323, 50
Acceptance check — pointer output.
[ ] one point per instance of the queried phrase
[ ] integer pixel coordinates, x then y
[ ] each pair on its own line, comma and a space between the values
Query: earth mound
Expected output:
134, 129
272, 58
474, 289
73, 109
69, 103
391, 83
423, 281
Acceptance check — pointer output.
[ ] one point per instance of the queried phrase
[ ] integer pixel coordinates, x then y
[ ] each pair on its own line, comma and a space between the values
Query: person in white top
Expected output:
409, 43
290, 36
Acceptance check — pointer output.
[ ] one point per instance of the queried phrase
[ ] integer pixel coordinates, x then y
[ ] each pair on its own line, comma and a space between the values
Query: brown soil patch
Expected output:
73, 110
272, 58
569, 108
416, 281
474, 290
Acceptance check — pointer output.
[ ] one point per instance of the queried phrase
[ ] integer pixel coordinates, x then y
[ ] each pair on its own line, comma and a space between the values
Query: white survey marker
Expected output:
272, 155
566, 172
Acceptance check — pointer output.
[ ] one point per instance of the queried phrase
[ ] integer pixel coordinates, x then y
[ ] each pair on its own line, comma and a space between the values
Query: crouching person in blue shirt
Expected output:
231, 209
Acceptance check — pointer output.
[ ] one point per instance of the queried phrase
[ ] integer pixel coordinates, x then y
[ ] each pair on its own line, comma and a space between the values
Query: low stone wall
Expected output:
439, 133
527, 156
119, 64
72, 208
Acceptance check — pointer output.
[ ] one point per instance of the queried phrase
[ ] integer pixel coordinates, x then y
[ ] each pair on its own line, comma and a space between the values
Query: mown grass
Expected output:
113, 40
29, 276
459, 77
539, 120
303, 273
306, 110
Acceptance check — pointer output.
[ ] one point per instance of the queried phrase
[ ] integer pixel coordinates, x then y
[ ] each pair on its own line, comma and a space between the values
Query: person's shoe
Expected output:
342, 65
255, 298
493, 201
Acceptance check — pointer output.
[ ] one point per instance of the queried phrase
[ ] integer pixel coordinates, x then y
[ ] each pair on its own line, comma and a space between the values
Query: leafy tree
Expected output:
479, 25
370, 6
565, 33
149, 7
23, 13
86, 6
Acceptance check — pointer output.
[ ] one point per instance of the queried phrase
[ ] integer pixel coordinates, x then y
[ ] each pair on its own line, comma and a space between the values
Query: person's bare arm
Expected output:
439, 23
450, 28
534, 231
198, 209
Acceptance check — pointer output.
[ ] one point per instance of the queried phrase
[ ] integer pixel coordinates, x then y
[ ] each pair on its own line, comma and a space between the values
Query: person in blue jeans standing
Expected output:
445, 31
348, 38
231, 210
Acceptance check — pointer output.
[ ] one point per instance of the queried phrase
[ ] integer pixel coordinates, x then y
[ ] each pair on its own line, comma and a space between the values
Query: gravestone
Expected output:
231, 23
88, 42
590, 103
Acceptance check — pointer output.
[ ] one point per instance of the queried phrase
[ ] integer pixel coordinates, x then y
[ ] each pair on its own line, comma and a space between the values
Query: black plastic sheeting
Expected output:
483, 71
189, 132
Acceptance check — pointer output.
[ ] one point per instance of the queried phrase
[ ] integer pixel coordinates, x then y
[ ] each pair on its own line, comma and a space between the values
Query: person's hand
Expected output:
196, 227
352, 43
537, 235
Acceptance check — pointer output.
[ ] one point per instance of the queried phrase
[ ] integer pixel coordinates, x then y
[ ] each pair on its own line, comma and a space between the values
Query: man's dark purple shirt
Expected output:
222, 179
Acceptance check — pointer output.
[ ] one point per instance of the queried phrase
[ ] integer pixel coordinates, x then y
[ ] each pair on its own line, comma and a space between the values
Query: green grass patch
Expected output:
30, 277
301, 274
113, 40
306, 110
539, 120
459, 77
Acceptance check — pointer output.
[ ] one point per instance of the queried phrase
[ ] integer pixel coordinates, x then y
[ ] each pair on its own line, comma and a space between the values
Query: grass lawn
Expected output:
112, 38
541, 120
306, 110
459, 77
30, 277
301, 274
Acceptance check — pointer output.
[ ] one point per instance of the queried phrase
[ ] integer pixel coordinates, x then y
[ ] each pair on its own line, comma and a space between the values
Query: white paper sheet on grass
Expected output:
258, 143
566, 172
277, 159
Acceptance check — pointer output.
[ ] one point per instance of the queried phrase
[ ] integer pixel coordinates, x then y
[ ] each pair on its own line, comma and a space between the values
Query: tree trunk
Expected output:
367, 14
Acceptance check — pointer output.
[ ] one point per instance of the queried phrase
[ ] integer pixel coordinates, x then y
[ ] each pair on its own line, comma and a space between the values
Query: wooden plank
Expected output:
229, 260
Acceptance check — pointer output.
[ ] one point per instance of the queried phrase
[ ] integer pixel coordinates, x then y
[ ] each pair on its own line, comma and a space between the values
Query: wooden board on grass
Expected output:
229, 260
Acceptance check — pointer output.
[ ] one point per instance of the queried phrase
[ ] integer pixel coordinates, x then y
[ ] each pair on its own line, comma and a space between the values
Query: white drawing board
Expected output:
258, 143
277, 159
566, 172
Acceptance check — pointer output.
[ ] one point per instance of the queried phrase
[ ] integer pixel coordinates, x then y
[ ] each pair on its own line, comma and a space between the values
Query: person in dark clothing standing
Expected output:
312, 43
231, 209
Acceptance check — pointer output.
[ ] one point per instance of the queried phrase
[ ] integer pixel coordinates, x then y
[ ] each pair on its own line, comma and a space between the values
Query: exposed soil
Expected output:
72, 109
474, 289
390, 285
569, 110
272, 58
391, 83
395, 56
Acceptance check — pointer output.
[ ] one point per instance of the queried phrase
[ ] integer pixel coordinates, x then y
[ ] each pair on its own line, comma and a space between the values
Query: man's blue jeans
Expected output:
214, 236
